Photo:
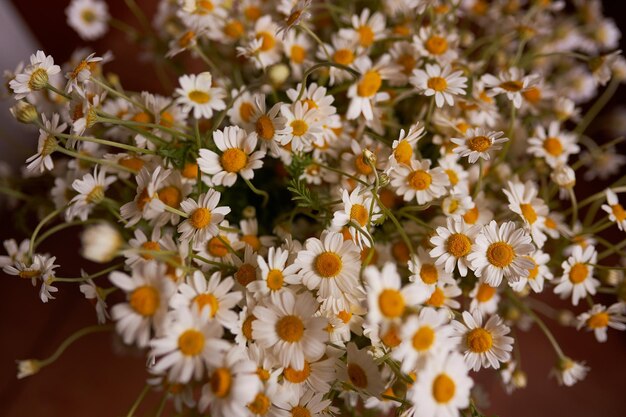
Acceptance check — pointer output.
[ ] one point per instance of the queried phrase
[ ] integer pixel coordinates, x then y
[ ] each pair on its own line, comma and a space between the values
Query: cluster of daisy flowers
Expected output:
349, 210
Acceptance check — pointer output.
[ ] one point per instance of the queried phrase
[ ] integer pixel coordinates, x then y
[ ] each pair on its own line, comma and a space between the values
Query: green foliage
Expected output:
303, 196
299, 163
178, 154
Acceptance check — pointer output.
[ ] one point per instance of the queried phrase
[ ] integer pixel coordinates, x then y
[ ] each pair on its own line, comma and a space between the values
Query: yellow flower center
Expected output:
328, 264
553, 146
357, 375
479, 340
151, 246
207, 299
200, 218
420, 180
500, 254
512, 86
532, 95
269, 41
185, 40
485, 293
220, 382
478, 143
290, 329
245, 274
191, 342
300, 411
297, 376
233, 160
218, 248
246, 327
598, 320
260, 405
436, 45
359, 214
246, 109
88, 16
471, 215
437, 298
252, 13
132, 163
458, 245
234, 29
275, 279
366, 36
443, 388
528, 212
252, 241
265, 128
618, 212
391, 303
534, 271
423, 338
298, 54
344, 316
145, 300
370, 84
578, 273
438, 84
200, 97
452, 176
263, 374
403, 152
361, 166
96, 195
299, 127
343, 56
171, 196
407, 62
429, 274
190, 170
391, 338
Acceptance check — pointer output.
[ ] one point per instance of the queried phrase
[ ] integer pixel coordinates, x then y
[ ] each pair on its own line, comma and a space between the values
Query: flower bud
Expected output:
100, 242
565, 318
278, 74
249, 212
564, 176
383, 179
27, 368
24, 112
519, 379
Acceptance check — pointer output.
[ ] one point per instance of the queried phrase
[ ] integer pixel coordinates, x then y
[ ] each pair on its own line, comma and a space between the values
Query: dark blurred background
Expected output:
98, 378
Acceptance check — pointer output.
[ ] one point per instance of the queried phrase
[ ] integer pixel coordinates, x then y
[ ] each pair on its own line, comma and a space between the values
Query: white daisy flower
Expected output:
212, 297
310, 404
204, 217
537, 275
89, 18
442, 388
615, 210
457, 175
289, 329
146, 204
404, 146
233, 384
342, 51
15, 252
498, 252
387, 298
297, 50
511, 82
600, 318
568, 372
360, 372
418, 181
196, 93
452, 244
247, 268
577, 278
264, 45
314, 376
47, 144
91, 189
485, 298
365, 94
366, 28
220, 248
302, 126
424, 270
92, 292
423, 336
147, 292
456, 205
237, 158
483, 346
477, 143
436, 45
188, 346
553, 145
444, 296
275, 274
360, 209
523, 200
330, 265
40, 268
81, 72
268, 126
35, 76
440, 82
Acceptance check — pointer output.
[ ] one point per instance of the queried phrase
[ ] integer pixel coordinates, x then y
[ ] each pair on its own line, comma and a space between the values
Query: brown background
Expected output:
98, 378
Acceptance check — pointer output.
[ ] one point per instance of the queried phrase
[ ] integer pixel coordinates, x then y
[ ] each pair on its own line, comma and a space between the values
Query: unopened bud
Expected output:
564, 176
24, 112
249, 212
519, 379
565, 318
101, 243
383, 179
278, 74
27, 368
369, 157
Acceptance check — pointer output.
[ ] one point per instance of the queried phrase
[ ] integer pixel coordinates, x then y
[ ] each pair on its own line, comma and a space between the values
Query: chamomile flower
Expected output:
204, 216
233, 384
196, 93
81, 72
268, 126
237, 158
485, 298
477, 143
329, 265
523, 200
424, 269
302, 126
342, 51
365, 93
423, 336
188, 346
264, 45
91, 189
442, 388
404, 146
498, 252
275, 273
310, 404
314, 376
361, 372
89, 18
146, 204
358, 208
511, 82
92, 292
553, 145
438, 46
440, 82
387, 298
615, 210
568, 371
444, 296
537, 275
147, 292
420, 182
577, 279
212, 297
47, 144
600, 318
297, 49
35, 76
41, 267
290, 330
483, 346
452, 244
366, 28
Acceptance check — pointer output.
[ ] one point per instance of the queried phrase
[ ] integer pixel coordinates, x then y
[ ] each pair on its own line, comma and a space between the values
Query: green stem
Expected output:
57, 91
88, 277
99, 161
73, 338
138, 401
355, 74
41, 224
105, 142
598, 106
176, 211
256, 191
62, 226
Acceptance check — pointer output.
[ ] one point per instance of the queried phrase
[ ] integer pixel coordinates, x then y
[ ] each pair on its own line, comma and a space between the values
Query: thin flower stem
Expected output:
105, 142
119, 94
99, 161
14, 193
73, 338
176, 211
207, 60
107, 118
62, 226
598, 106
161, 406
572, 196
615, 249
124, 27
57, 91
355, 74
41, 224
316, 38
338, 171
256, 191
88, 277
140, 16
138, 401
210, 262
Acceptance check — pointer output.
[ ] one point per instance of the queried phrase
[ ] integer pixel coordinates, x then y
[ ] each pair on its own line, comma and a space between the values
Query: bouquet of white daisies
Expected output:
350, 210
